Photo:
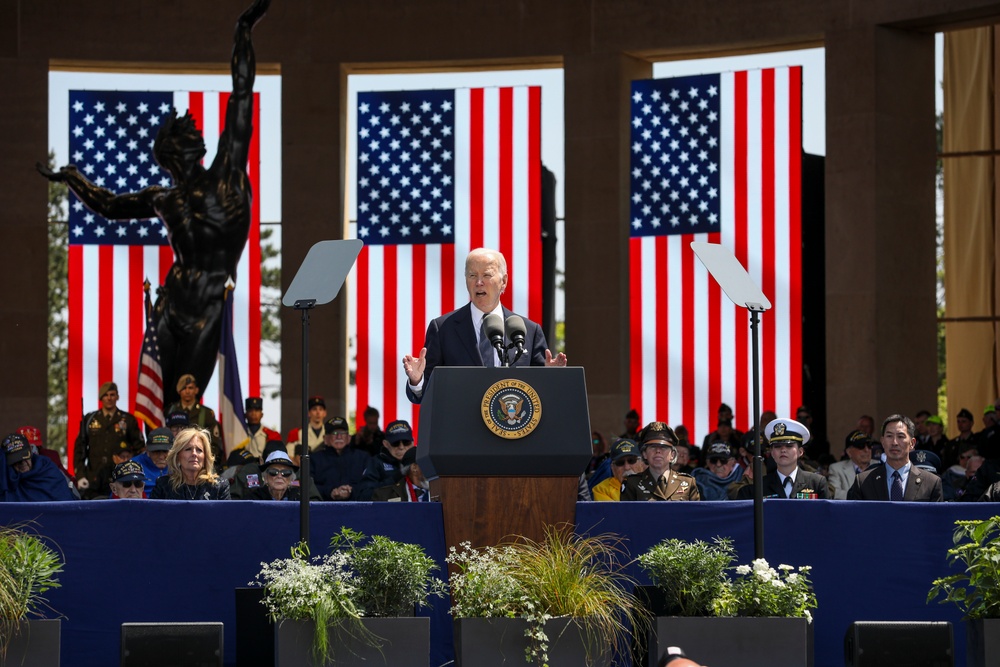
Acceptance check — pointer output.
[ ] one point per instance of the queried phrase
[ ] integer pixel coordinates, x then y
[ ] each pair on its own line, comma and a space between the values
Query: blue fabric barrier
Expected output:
872, 561
143, 561
165, 560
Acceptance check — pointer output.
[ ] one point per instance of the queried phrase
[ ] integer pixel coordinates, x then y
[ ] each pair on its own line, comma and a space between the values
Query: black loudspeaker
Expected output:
254, 629
171, 645
899, 644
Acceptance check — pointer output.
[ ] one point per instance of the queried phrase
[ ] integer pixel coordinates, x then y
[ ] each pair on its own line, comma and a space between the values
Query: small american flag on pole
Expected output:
715, 158
439, 173
149, 386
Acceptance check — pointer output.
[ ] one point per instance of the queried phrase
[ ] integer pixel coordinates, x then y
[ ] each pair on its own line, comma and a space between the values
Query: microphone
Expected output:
515, 333
493, 330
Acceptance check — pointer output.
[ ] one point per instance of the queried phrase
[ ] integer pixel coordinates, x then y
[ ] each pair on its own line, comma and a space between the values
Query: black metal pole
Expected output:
305, 306
758, 459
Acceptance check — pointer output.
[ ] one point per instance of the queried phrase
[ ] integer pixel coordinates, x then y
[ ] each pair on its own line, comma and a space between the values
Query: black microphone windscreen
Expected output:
493, 328
515, 328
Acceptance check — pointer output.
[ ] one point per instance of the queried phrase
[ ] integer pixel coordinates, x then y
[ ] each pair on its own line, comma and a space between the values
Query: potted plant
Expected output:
353, 606
764, 614
558, 602
976, 591
28, 569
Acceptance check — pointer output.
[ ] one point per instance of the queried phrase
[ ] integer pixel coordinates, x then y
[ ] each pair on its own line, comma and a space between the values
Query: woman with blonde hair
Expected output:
190, 466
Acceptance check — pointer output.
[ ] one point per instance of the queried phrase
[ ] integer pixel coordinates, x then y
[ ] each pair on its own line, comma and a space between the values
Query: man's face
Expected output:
921, 426
189, 393
631, 424
397, 449
860, 456
683, 456
317, 415
964, 424
338, 440
989, 419
866, 426
109, 400
785, 454
130, 489
254, 416
933, 429
725, 430
627, 466
897, 443
23, 466
371, 421
158, 458
485, 281
722, 467
121, 456
803, 418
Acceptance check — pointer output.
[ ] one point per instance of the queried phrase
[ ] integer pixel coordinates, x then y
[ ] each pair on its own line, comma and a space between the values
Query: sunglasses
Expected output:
138, 483
862, 445
401, 443
630, 460
717, 461
283, 473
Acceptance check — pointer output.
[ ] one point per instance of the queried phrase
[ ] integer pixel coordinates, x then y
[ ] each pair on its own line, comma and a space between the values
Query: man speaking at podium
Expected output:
457, 338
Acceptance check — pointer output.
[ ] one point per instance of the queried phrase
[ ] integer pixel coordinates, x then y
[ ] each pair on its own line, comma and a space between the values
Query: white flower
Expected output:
786, 568
760, 564
793, 578
743, 570
778, 583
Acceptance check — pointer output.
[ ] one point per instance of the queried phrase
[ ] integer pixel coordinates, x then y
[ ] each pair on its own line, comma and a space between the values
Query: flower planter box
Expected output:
982, 642
489, 642
747, 642
36, 643
403, 642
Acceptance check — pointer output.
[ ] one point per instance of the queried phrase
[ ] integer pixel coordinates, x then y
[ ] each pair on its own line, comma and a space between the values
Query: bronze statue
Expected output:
206, 212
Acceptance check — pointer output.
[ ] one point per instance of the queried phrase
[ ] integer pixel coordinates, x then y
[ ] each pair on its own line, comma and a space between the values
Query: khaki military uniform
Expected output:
672, 486
99, 438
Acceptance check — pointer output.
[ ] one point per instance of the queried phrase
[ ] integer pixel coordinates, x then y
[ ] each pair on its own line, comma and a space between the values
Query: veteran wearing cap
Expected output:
859, 457
786, 438
413, 487
259, 435
897, 479
626, 461
279, 479
658, 481
315, 431
30, 478
128, 481
198, 414
103, 433
154, 460
337, 468
386, 469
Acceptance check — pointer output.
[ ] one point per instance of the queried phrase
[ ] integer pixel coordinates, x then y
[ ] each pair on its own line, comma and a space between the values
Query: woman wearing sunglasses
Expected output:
191, 469
277, 473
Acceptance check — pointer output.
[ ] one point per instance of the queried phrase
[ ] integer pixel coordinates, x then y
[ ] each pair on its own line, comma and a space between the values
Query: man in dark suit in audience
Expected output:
898, 479
454, 339
788, 480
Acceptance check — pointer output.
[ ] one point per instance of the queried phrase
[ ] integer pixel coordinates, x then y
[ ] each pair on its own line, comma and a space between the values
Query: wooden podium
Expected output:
504, 449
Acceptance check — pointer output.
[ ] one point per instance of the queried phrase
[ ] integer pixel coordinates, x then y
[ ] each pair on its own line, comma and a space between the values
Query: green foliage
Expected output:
691, 574
57, 313
976, 591
28, 569
391, 578
563, 575
761, 590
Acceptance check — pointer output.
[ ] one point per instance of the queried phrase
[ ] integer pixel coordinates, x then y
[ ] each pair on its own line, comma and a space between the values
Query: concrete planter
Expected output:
982, 642
402, 642
36, 643
492, 642
747, 642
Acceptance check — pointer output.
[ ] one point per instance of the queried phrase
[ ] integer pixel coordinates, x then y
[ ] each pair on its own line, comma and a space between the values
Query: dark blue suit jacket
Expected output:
451, 341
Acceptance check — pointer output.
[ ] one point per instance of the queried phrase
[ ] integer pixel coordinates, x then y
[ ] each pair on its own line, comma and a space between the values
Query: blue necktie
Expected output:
485, 349
897, 486
788, 486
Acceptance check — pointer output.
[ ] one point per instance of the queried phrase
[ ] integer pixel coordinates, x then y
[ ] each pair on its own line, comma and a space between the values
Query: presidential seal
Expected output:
511, 409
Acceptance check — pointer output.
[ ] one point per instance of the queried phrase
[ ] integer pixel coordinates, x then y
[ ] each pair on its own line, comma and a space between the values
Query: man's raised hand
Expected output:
414, 367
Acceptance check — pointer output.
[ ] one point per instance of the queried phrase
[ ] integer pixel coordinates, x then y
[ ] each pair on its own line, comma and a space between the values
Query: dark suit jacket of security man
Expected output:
921, 485
451, 341
803, 480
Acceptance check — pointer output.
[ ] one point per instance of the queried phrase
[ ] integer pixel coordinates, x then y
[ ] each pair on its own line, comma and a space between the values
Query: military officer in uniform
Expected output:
198, 414
658, 447
103, 433
259, 435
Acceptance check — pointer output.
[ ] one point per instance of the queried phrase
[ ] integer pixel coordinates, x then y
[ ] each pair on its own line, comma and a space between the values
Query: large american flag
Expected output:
110, 141
439, 173
715, 158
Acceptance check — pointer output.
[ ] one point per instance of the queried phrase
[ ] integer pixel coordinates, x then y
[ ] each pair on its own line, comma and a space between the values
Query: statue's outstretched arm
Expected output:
239, 112
101, 200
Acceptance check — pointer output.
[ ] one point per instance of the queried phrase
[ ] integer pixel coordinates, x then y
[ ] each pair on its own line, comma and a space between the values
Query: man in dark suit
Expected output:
788, 480
454, 339
897, 479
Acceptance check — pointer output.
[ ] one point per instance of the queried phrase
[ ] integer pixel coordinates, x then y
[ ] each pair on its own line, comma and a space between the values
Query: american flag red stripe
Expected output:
691, 346
105, 301
397, 289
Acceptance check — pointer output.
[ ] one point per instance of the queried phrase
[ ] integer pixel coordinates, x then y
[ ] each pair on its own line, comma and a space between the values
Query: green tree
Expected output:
58, 287
270, 305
